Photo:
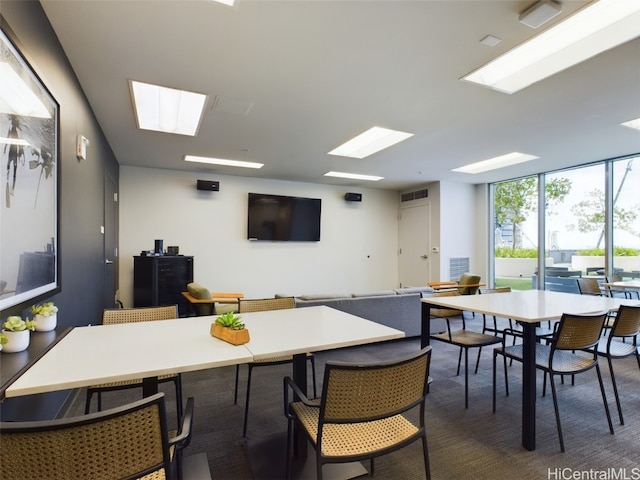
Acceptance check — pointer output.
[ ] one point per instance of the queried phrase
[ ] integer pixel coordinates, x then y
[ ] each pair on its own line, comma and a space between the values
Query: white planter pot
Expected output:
628, 264
46, 324
16, 341
518, 267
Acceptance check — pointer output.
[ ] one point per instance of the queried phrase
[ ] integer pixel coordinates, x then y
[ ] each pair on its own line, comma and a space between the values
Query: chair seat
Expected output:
352, 439
130, 383
467, 338
541, 332
618, 349
445, 312
563, 361
275, 360
281, 359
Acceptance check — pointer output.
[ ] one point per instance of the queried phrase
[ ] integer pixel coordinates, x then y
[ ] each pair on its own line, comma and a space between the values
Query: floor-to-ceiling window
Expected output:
575, 219
626, 217
515, 232
591, 221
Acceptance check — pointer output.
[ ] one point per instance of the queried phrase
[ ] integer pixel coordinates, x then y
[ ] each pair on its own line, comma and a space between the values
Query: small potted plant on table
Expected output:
15, 334
229, 327
45, 316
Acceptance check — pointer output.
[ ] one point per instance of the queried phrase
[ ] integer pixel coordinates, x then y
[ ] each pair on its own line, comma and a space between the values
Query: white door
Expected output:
413, 238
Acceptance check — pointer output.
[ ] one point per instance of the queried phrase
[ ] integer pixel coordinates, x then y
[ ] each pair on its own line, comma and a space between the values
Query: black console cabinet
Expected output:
158, 280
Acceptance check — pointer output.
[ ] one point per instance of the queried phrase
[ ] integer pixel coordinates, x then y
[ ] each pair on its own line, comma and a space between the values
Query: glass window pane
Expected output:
516, 232
626, 218
574, 217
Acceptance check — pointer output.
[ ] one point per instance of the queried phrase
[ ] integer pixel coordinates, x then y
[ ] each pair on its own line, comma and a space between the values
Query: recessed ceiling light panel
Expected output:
494, 163
222, 161
598, 27
370, 142
167, 110
353, 176
635, 124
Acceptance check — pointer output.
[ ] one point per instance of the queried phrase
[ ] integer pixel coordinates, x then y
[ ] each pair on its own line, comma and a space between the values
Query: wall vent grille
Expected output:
418, 194
458, 266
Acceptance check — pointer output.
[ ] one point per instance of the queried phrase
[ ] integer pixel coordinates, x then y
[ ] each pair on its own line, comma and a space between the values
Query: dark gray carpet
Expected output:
464, 443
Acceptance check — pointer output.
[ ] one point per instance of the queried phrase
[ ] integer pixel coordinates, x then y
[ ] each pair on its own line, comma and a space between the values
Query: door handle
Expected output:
108, 262
424, 257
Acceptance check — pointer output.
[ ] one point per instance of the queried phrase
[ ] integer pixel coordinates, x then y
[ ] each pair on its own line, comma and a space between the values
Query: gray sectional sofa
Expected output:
400, 308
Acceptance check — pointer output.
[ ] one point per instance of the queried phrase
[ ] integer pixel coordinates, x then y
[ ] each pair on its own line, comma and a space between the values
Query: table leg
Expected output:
300, 379
529, 386
149, 386
425, 326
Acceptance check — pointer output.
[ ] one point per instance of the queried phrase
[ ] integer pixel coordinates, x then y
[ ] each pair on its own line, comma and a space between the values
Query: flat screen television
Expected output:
283, 218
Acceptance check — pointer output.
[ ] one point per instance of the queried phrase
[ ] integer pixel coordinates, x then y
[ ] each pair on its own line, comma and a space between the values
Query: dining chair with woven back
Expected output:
130, 315
619, 292
589, 286
130, 441
365, 410
493, 326
260, 305
570, 352
621, 341
463, 338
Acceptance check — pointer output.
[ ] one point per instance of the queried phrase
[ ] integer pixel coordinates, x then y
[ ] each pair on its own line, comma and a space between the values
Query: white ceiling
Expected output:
316, 73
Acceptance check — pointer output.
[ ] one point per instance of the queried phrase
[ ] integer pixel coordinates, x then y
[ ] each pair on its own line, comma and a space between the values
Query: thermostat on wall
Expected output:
81, 147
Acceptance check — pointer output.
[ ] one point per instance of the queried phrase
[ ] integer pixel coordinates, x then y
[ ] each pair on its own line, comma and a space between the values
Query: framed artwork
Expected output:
30, 173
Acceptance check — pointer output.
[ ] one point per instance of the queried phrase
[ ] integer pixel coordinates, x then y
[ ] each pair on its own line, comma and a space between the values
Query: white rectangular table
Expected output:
125, 351
110, 353
299, 331
528, 307
309, 329
625, 286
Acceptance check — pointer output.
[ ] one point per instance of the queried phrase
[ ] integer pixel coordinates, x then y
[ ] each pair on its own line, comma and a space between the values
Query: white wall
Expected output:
458, 231
483, 225
357, 251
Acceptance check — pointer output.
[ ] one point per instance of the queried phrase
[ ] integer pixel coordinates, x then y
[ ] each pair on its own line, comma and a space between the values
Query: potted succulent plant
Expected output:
45, 316
15, 334
229, 327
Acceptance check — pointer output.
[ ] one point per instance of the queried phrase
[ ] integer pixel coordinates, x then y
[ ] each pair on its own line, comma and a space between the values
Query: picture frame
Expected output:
29, 182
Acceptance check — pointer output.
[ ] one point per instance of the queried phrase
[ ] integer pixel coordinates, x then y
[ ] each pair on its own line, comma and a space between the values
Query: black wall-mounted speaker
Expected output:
208, 185
353, 197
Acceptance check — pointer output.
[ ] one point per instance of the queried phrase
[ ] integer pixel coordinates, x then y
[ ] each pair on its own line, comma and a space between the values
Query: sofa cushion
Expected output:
222, 308
378, 293
397, 311
409, 290
321, 296
198, 291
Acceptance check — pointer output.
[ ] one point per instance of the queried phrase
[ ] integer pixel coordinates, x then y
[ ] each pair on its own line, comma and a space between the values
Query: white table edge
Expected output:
347, 343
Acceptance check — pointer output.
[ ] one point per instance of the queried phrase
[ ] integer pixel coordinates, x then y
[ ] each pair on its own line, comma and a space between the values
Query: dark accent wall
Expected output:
81, 209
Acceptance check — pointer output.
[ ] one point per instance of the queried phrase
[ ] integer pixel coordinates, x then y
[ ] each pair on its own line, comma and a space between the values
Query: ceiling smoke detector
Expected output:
539, 13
